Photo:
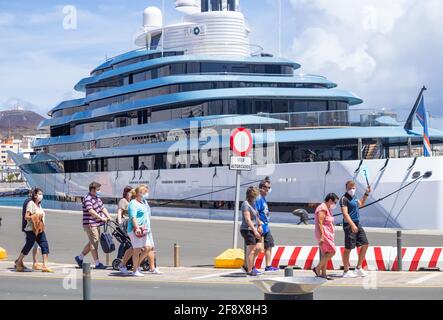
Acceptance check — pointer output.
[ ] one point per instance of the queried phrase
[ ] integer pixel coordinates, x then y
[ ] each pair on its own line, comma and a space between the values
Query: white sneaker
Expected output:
123, 270
137, 273
155, 271
349, 274
361, 273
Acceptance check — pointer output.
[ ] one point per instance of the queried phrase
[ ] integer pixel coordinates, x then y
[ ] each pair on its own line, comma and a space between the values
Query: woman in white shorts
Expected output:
139, 230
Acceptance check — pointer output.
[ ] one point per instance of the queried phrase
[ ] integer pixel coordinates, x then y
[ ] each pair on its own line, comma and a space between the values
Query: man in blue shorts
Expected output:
355, 235
263, 210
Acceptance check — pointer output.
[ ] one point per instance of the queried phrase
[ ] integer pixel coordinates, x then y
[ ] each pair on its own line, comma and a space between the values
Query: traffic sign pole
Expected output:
241, 145
237, 208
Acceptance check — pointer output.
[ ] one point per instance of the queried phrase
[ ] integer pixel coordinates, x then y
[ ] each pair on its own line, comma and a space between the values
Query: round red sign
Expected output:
241, 141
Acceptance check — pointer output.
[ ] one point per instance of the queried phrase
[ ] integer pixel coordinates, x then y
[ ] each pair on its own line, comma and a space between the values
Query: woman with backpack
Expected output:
35, 231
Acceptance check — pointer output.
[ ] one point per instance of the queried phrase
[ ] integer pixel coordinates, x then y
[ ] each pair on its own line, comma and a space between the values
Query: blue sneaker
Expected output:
79, 261
256, 271
271, 269
100, 266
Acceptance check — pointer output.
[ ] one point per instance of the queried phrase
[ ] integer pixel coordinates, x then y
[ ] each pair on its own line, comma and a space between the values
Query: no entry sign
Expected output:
241, 142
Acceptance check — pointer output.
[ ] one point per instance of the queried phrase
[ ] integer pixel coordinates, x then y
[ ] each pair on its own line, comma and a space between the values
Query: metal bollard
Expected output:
289, 288
86, 281
289, 272
176, 255
399, 251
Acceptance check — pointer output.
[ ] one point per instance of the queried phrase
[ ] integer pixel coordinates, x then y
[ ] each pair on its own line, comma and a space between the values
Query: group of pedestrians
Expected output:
133, 219
257, 235
355, 235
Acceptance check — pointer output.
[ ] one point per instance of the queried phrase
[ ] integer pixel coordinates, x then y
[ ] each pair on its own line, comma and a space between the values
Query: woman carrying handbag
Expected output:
35, 232
139, 231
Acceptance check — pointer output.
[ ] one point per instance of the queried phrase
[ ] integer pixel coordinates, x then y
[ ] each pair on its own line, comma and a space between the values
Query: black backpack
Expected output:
106, 240
24, 222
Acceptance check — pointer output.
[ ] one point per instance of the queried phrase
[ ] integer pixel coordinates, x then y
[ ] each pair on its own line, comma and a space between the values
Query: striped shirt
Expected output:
91, 202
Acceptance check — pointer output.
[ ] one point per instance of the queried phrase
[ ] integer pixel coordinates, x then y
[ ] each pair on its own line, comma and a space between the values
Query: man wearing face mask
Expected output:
94, 216
263, 210
355, 235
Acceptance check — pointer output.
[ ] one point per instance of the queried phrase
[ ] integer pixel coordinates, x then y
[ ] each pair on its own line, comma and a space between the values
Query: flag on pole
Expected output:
423, 118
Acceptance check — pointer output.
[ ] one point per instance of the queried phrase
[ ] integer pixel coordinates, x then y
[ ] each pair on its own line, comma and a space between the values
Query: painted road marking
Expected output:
155, 280
217, 275
425, 278
199, 276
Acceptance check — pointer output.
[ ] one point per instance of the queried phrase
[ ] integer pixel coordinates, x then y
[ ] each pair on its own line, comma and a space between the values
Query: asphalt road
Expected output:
200, 242
52, 289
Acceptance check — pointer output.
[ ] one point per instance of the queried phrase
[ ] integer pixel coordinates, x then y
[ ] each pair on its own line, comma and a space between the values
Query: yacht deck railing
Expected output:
336, 118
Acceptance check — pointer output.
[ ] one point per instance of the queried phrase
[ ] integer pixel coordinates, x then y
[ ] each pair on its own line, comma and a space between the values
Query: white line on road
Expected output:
216, 275
425, 278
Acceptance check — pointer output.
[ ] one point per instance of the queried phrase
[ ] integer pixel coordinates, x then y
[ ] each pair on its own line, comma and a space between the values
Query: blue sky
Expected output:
384, 51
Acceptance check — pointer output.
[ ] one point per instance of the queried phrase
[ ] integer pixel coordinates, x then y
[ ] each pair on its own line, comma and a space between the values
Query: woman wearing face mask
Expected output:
35, 231
251, 230
324, 232
139, 231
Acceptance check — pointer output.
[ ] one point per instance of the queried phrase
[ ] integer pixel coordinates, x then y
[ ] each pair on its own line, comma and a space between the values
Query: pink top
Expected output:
328, 229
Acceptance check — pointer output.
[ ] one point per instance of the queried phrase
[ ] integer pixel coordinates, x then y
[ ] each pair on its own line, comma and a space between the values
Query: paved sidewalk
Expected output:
206, 275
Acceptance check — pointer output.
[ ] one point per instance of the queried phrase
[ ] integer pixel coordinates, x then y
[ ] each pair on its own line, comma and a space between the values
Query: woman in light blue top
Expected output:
139, 230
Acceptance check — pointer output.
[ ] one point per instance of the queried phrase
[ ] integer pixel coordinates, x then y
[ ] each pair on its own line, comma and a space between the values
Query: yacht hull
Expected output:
415, 207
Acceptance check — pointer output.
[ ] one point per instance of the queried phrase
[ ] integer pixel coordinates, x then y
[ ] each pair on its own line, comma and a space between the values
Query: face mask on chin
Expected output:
333, 207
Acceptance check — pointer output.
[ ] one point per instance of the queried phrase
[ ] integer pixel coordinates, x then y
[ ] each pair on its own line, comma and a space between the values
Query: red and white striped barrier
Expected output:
302, 257
377, 258
413, 259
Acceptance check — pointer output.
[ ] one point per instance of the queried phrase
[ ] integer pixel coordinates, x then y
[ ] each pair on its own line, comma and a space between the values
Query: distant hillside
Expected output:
19, 122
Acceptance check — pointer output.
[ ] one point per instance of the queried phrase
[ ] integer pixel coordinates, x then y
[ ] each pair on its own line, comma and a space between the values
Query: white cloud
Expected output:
382, 50
315, 42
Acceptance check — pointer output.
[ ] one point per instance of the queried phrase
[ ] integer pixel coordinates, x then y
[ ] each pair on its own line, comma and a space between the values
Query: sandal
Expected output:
327, 278
37, 266
21, 268
48, 270
315, 271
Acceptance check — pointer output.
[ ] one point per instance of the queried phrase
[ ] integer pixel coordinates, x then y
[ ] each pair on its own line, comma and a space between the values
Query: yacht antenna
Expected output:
163, 27
279, 27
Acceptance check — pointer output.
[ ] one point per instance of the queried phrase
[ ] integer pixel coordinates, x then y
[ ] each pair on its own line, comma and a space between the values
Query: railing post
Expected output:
86, 281
176, 255
360, 148
399, 251
289, 272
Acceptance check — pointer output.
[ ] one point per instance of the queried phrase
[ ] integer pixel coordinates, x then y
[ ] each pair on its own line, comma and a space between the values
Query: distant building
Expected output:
23, 146
27, 141
8, 144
